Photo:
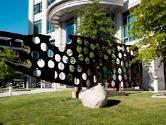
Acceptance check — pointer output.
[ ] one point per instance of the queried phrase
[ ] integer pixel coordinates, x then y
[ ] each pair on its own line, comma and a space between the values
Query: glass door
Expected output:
69, 29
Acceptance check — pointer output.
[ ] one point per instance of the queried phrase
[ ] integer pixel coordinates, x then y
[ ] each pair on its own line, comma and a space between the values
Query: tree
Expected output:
150, 28
5, 71
95, 23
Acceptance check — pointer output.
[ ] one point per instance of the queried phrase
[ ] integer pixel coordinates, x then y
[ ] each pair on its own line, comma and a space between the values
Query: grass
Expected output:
59, 109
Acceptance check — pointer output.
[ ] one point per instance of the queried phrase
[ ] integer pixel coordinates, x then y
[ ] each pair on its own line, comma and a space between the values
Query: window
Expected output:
38, 8
50, 27
37, 27
128, 19
49, 2
70, 28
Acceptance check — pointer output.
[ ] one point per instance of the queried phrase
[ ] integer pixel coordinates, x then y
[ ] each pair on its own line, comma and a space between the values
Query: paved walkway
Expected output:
34, 91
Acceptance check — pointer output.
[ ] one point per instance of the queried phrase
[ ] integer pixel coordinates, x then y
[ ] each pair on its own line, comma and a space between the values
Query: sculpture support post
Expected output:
78, 89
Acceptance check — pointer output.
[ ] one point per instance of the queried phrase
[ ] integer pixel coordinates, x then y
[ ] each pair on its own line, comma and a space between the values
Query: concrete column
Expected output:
44, 17
30, 17
10, 89
156, 89
54, 86
27, 85
119, 24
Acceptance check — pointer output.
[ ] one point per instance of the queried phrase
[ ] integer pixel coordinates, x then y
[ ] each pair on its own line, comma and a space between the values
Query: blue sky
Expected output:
14, 16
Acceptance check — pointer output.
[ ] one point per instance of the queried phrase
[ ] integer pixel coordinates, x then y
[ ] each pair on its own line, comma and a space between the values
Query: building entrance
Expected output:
69, 29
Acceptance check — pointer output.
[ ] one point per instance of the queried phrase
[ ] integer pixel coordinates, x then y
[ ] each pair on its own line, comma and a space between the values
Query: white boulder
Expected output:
95, 97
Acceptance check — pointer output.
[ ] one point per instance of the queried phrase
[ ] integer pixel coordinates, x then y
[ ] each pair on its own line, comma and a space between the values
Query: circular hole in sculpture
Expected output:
79, 68
124, 69
84, 76
89, 72
120, 77
88, 83
69, 52
35, 55
61, 66
70, 77
79, 40
100, 54
65, 59
92, 46
57, 58
50, 53
113, 83
62, 76
86, 43
87, 60
76, 81
79, 49
126, 64
37, 72
43, 46
128, 50
72, 60
114, 76
119, 70
81, 57
36, 40
114, 70
120, 55
113, 56
55, 75
117, 61
51, 64
71, 68
91, 55
105, 57
100, 62
132, 53
125, 76
122, 63
41, 63
85, 50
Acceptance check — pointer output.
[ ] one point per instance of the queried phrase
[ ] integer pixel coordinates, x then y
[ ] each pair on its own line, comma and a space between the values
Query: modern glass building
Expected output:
58, 19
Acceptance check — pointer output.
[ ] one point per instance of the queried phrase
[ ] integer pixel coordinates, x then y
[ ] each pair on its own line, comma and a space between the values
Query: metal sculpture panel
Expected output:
84, 62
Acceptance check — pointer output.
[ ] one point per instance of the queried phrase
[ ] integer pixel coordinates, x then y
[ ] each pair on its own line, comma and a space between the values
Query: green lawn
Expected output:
59, 109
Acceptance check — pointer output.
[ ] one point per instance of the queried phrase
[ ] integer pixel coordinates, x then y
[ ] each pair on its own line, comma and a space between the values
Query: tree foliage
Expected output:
95, 23
150, 28
5, 71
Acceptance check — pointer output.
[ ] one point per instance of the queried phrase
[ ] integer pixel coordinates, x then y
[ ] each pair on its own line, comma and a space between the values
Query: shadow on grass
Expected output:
68, 99
1, 124
111, 103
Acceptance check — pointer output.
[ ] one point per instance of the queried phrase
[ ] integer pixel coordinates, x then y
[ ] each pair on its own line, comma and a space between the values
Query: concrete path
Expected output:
34, 91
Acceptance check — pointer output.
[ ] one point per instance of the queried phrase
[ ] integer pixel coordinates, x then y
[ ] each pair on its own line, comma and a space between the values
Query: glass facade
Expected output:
37, 27
38, 8
69, 29
128, 20
50, 27
49, 2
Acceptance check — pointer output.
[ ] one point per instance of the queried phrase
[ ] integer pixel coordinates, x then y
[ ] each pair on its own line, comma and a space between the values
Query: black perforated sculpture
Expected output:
83, 63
